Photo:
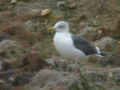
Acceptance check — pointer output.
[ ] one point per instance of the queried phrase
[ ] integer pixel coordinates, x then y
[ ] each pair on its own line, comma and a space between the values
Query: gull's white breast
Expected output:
65, 47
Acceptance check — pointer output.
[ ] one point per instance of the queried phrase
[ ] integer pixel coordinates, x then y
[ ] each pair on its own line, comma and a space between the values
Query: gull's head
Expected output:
61, 26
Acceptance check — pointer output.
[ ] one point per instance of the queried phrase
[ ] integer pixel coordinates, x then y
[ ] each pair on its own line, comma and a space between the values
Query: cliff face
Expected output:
26, 47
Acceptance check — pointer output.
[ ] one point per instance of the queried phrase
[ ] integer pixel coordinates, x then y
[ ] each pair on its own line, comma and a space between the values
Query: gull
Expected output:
72, 46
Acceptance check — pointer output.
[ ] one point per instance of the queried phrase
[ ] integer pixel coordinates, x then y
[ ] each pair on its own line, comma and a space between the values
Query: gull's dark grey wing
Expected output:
83, 45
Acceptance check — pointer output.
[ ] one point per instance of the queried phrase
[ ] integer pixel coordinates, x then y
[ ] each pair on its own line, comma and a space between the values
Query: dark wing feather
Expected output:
83, 45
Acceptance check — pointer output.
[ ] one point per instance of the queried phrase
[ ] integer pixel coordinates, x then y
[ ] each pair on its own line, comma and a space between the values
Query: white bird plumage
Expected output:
65, 44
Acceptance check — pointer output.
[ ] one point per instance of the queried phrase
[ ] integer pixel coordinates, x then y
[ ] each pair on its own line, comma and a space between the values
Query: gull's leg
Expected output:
78, 61
76, 70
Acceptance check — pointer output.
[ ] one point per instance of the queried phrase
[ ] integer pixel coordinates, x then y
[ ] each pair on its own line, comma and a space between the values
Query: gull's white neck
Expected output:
62, 36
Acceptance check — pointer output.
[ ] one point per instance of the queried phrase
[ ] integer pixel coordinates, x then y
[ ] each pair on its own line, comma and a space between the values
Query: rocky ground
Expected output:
28, 59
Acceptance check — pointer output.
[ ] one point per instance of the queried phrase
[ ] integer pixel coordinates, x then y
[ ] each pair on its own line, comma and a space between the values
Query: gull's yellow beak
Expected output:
51, 29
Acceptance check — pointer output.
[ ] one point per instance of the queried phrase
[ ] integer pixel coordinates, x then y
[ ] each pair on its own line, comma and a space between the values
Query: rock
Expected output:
71, 4
2, 82
13, 1
90, 33
97, 78
51, 79
10, 49
27, 21
75, 19
29, 26
114, 32
111, 60
45, 12
57, 63
61, 5
114, 75
66, 4
47, 79
4, 5
5, 87
103, 77
94, 59
112, 49
21, 80
4, 45
1, 65
106, 43
58, 86
34, 60
4, 36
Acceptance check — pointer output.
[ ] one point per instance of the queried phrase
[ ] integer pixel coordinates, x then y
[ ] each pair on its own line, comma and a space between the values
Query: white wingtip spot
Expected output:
98, 50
